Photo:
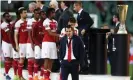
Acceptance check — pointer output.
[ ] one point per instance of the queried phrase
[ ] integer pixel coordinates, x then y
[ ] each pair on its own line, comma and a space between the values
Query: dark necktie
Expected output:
78, 16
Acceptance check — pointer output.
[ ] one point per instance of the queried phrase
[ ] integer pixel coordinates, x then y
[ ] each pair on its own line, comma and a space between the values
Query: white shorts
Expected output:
15, 54
29, 51
49, 50
8, 50
22, 50
37, 52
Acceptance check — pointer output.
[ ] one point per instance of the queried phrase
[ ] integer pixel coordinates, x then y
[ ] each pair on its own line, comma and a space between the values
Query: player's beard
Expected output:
8, 20
24, 17
53, 17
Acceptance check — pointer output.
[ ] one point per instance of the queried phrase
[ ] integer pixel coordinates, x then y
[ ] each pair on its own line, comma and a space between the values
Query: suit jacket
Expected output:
63, 20
78, 49
84, 21
57, 14
116, 28
45, 8
110, 38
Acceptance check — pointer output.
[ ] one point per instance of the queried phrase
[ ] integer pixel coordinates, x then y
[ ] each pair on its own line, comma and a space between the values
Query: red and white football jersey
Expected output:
38, 33
63, 32
21, 28
37, 27
5, 27
49, 25
30, 23
12, 32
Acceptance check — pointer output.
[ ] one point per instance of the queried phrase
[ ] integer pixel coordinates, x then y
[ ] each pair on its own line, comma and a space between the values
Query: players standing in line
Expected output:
73, 23
21, 36
7, 43
16, 59
30, 43
38, 34
49, 50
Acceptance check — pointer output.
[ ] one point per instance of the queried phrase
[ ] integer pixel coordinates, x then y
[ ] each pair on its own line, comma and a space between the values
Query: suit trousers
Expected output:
85, 39
69, 68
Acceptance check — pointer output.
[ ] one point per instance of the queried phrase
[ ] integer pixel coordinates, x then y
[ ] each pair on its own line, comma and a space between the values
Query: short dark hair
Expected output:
42, 2
72, 20
78, 2
67, 3
17, 14
4, 14
42, 11
69, 26
37, 9
116, 15
21, 9
48, 12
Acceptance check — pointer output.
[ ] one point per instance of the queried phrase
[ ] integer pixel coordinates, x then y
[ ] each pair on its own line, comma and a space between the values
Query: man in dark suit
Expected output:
71, 54
64, 17
40, 4
111, 42
58, 11
116, 22
84, 23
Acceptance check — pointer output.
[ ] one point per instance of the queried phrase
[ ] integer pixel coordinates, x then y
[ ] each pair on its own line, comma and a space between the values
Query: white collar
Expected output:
56, 9
41, 7
64, 8
117, 23
80, 11
33, 19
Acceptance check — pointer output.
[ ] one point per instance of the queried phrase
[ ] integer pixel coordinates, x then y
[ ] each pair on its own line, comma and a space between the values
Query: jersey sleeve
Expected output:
5, 27
29, 24
17, 26
46, 24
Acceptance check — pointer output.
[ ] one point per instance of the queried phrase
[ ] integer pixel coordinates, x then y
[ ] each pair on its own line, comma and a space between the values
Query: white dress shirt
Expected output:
72, 55
80, 11
117, 23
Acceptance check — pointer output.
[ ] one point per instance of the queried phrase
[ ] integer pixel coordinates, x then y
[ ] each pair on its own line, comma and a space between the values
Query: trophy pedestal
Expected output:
98, 51
120, 57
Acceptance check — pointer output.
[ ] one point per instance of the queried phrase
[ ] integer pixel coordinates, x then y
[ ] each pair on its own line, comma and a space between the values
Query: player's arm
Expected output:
29, 27
11, 37
16, 40
47, 28
52, 34
17, 25
31, 38
8, 31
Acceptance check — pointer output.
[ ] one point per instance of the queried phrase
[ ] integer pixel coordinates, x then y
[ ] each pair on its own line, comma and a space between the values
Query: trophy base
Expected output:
122, 29
122, 32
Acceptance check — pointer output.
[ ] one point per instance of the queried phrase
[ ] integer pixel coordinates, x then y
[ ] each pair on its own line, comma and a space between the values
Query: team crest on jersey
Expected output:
53, 25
